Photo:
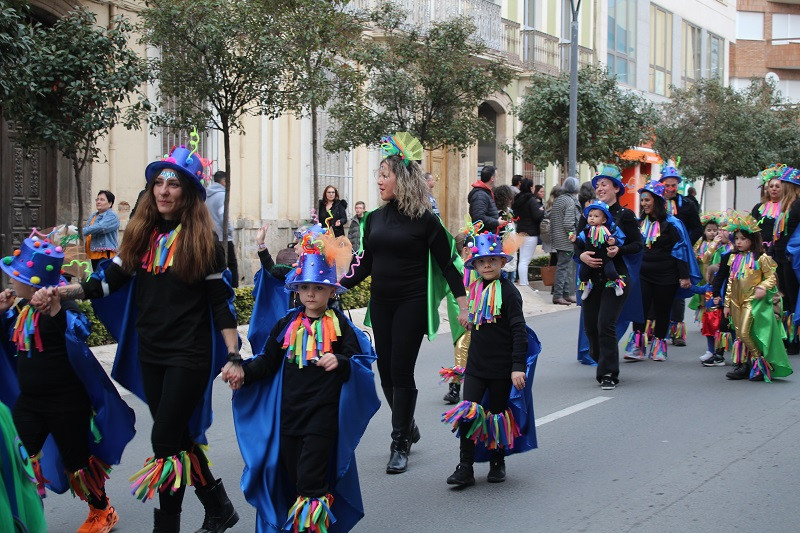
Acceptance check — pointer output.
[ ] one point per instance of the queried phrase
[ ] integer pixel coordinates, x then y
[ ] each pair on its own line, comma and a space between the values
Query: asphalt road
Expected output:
676, 447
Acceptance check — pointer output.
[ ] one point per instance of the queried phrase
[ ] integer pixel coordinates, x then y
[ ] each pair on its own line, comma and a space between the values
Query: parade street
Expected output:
676, 447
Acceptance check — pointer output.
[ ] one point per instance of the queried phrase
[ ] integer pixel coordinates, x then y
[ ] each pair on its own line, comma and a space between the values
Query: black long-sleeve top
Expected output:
396, 251
174, 317
792, 221
530, 212
310, 395
338, 212
658, 264
767, 224
496, 349
627, 222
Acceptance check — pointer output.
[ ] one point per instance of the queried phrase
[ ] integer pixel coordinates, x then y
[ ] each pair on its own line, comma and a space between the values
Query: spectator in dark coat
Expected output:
330, 205
529, 210
481, 201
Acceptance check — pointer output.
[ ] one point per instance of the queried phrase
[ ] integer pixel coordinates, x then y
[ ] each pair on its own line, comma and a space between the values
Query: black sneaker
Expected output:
716, 360
739, 371
497, 471
607, 383
464, 476
453, 397
677, 341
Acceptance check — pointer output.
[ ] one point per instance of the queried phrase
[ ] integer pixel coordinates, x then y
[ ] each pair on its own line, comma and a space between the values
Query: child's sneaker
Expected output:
100, 521
497, 471
716, 360
706, 356
464, 476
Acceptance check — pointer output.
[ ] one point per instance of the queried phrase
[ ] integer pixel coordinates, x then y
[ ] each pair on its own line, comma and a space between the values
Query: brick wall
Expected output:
756, 58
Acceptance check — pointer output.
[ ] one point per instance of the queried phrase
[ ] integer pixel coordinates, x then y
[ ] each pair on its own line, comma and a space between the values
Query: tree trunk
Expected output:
76, 168
315, 160
735, 190
702, 194
226, 142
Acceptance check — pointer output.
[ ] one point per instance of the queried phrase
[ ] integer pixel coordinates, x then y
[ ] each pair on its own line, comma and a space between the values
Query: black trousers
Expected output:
474, 389
788, 285
172, 394
658, 299
399, 328
678, 311
70, 430
307, 459
600, 313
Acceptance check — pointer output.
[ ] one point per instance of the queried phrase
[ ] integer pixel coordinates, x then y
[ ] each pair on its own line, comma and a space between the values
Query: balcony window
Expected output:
749, 26
691, 54
715, 57
660, 50
622, 40
785, 27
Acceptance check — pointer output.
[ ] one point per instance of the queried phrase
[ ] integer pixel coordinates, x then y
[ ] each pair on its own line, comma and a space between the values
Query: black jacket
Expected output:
530, 212
483, 208
338, 211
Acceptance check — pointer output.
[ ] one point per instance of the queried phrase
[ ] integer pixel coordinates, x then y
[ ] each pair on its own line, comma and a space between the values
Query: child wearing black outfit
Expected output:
599, 234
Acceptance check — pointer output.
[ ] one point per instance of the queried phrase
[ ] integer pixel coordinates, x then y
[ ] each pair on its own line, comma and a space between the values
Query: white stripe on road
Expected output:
570, 410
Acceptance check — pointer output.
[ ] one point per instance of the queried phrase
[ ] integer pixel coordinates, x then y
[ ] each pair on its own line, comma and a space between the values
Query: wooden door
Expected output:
436, 163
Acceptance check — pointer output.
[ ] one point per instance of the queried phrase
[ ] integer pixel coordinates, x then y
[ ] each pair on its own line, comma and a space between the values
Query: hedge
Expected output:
356, 297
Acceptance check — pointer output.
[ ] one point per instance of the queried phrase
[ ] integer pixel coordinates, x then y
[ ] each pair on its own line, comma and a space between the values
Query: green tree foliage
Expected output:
427, 82
71, 90
16, 40
721, 133
220, 61
610, 119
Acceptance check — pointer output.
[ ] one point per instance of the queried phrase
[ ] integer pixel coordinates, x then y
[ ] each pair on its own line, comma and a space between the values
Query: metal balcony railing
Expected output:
511, 39
585, 56
541, 51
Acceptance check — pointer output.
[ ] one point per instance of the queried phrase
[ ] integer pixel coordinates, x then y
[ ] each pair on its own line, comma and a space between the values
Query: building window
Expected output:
660, 50
715, 57
691, 54
622, 40
785, 27
749, 26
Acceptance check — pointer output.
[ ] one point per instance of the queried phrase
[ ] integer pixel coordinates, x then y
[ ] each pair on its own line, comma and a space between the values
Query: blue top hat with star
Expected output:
485, 245
670, 172
600, 206
656, 188
613, 174
185, 163
37, 263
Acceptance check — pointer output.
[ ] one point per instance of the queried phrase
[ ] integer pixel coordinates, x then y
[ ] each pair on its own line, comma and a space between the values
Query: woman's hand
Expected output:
727, 312
612, 251
233, 375
518, 379
685, 283
41, 300
7, 298
589, 259
328, 361
759, 293
463, 318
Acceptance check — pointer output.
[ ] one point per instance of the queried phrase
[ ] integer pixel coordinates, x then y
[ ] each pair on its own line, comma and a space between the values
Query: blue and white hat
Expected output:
185, 163
602, 206
485, 245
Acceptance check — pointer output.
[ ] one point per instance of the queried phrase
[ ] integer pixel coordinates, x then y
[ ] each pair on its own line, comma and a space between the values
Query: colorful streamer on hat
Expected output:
599, 235
770, 173
651, 231
161, 254
26, 330
306, 341
742, 265
402, 144
310, 514
484, 301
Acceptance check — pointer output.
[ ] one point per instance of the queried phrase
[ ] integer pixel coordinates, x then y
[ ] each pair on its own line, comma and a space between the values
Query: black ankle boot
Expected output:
415, 434
497, 468
453, 395
404, 401
464, 476
220, 514
165, 522
740, 371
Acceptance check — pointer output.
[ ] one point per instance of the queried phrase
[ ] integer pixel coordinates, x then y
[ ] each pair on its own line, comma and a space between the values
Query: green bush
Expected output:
541, 261
243, 303
100, 334
358, 296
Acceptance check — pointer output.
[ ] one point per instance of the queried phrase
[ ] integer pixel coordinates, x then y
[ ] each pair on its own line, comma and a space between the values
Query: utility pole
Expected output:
572, 170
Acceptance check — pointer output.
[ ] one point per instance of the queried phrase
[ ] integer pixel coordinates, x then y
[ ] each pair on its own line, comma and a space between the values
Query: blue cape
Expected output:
114, 419
270, 304
793, 251
683, 251
256, 414
118, 313
521, 404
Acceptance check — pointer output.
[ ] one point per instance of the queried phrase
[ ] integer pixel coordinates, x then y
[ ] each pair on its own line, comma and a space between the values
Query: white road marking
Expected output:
570, 410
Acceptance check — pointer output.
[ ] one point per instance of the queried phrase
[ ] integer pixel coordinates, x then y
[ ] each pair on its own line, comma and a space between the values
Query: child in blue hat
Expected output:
599, 234
309, 391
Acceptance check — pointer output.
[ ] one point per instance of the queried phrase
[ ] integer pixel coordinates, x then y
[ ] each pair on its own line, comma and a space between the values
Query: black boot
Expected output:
453, 395
220, 514
415, 434
497, 467
464, 476
404, 402
165, 522
740, 371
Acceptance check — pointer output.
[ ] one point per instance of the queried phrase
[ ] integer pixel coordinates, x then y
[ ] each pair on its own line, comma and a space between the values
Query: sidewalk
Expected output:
536, 300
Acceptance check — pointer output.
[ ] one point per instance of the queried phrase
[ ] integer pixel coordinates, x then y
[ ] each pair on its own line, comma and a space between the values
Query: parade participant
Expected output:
785, 225
711, 223
598, 236
668, 264
502, 354
758, 351
311, 391
604, 315
710, 316
688, 213
172, 268
402, 239
101, 230
61, 390
769, 208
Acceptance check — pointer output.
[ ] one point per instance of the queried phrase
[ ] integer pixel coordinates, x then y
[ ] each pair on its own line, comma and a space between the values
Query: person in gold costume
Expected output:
758, 353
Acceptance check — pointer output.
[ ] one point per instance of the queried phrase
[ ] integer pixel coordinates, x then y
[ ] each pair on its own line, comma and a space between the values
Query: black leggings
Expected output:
306, 459
172, 395
474, 389
788, 285
600, 313
658, 299
399, 328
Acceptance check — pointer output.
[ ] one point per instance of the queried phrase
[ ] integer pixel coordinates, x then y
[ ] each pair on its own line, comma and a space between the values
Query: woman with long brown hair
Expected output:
181, 294
332, 210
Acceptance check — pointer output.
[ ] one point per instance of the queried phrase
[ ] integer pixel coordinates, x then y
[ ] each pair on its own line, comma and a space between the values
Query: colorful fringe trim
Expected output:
636, 344
583, 284
651, 231
484, 301
171, 472
658, 350
452, 375
37, 473
495, 431
26, 329
739, 353
790, 327
90, 480
306, 341
649, 327
723, 340
678, 330
742, 264
161, 254
619, 282
599, 235
310, 514
761, 367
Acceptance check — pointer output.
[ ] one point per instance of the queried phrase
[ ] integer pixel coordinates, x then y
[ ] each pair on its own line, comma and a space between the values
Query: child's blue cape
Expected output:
793, 251
113, 420
118, 313
521, 404
683, 251
270, 304
256, 414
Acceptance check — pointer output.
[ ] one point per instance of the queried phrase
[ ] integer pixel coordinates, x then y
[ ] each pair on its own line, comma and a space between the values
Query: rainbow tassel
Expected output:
649, 326
769, 210
789, 325
658, 350
761, 367
310, 514
90, 480
583, 284
599, 235
742, 265
651, 231
780, 227
502, 430
723, 340
679, 330
739, 352
37, 473
465, 413
672, 207
484, 301
161, 254
171, 472
307, 341
452, 375
26, 331
619, 282
635, 347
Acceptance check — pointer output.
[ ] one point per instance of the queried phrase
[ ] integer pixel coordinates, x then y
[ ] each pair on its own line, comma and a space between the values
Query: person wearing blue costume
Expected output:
301, 406
669, 269
496, 414
171, 292
605, 316
598, 236
57, 389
